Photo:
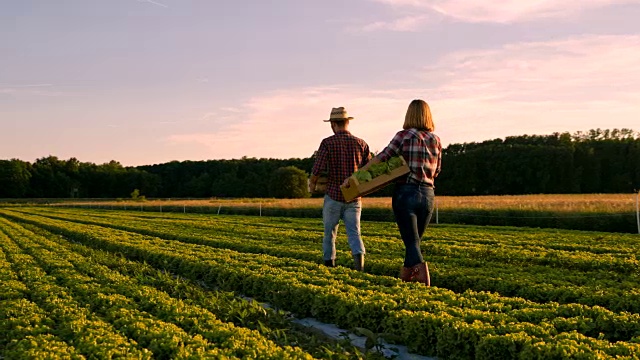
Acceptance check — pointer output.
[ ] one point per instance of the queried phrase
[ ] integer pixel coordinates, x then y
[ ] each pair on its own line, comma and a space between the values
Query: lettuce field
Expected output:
99, 284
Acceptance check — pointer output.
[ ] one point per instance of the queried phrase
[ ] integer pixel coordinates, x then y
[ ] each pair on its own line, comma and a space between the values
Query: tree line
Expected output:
596, 161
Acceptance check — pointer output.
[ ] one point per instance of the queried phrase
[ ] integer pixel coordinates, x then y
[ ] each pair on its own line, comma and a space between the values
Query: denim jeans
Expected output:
332, 212
412, 206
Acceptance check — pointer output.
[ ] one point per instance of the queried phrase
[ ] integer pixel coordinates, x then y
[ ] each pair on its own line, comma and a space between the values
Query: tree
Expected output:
199, 186
226, 185
289, 182
50, 179
135, 194
14, 178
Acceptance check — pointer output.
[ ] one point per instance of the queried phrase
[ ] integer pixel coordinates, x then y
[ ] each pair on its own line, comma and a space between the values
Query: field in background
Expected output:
598, 212
599, 203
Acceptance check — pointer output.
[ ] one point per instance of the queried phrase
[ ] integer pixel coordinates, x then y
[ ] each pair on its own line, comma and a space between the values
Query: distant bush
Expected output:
289, 183
135, 195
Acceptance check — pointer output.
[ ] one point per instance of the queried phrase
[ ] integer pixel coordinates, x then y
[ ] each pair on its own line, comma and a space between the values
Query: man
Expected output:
341, 155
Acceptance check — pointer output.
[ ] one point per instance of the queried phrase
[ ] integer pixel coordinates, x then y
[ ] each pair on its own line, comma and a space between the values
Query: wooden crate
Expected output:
356, 188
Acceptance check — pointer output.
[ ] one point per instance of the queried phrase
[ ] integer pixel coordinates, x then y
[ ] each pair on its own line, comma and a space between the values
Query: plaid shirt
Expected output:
340, 155
421, 150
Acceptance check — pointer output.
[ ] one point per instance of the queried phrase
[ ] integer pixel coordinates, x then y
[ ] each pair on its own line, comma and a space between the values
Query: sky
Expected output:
146, 82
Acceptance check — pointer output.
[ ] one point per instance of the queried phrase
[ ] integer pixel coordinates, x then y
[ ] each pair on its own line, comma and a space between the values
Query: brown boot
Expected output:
405, 274
421, 274
358, 262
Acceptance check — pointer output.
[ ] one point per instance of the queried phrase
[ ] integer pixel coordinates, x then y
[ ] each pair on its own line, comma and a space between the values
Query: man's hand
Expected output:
345, 183
312, 183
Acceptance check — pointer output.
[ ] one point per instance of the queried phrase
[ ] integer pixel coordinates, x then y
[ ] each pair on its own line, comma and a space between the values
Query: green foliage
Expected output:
290, 183
595, 161
362, 176
378, 169
599, 161
375, 341
394, 163
14, 178
568, 298
135, 195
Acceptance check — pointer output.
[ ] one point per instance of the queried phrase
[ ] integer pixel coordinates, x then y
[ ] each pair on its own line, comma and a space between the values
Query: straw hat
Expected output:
338, 114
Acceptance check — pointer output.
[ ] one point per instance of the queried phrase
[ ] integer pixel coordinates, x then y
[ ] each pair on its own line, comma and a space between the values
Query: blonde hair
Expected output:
419, 116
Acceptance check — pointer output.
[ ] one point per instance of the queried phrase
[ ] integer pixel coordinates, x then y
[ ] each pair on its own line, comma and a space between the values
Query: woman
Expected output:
413, 197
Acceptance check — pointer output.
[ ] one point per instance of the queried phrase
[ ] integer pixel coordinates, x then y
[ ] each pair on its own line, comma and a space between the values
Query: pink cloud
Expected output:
525, 88
508, 11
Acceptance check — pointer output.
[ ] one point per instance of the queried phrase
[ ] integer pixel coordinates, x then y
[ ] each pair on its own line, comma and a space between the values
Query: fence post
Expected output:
184, 208
161, 209
219, 206
638, 210
260, 209
437, 220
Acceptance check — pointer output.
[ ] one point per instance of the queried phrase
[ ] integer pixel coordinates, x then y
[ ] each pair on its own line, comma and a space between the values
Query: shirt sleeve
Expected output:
320, 164
393, 149
366, 155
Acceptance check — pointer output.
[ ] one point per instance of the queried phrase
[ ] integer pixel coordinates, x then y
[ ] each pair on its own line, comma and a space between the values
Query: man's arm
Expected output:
319, 165
312, 183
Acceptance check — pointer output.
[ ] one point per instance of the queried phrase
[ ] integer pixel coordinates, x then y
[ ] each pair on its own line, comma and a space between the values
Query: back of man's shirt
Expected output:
341, 155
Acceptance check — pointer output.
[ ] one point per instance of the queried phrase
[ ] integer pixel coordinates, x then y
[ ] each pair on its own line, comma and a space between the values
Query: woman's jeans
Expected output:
332, 212
412, 206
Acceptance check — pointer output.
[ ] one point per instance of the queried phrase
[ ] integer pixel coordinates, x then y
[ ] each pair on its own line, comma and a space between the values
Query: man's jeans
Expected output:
332, 212
412, 206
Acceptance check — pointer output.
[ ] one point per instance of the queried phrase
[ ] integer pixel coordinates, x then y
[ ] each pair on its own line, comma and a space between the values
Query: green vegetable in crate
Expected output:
394, 163
362, 176
376, 170
379, 169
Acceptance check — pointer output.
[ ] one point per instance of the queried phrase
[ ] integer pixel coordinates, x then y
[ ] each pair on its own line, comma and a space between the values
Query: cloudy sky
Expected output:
145, 81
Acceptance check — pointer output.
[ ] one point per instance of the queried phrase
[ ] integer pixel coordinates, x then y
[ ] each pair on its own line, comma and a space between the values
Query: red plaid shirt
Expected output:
421, 150
340, 155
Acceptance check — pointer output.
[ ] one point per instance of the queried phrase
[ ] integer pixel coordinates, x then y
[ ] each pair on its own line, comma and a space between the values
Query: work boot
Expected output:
358, 262
421, 273
405, 274
330, 263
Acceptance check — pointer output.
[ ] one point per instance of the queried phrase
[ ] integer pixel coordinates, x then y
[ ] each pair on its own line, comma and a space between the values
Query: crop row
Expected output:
74, 324
226, 306
432, 321
611, 281
249, 256
597, 243
163, 326
26, 328
613, 254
